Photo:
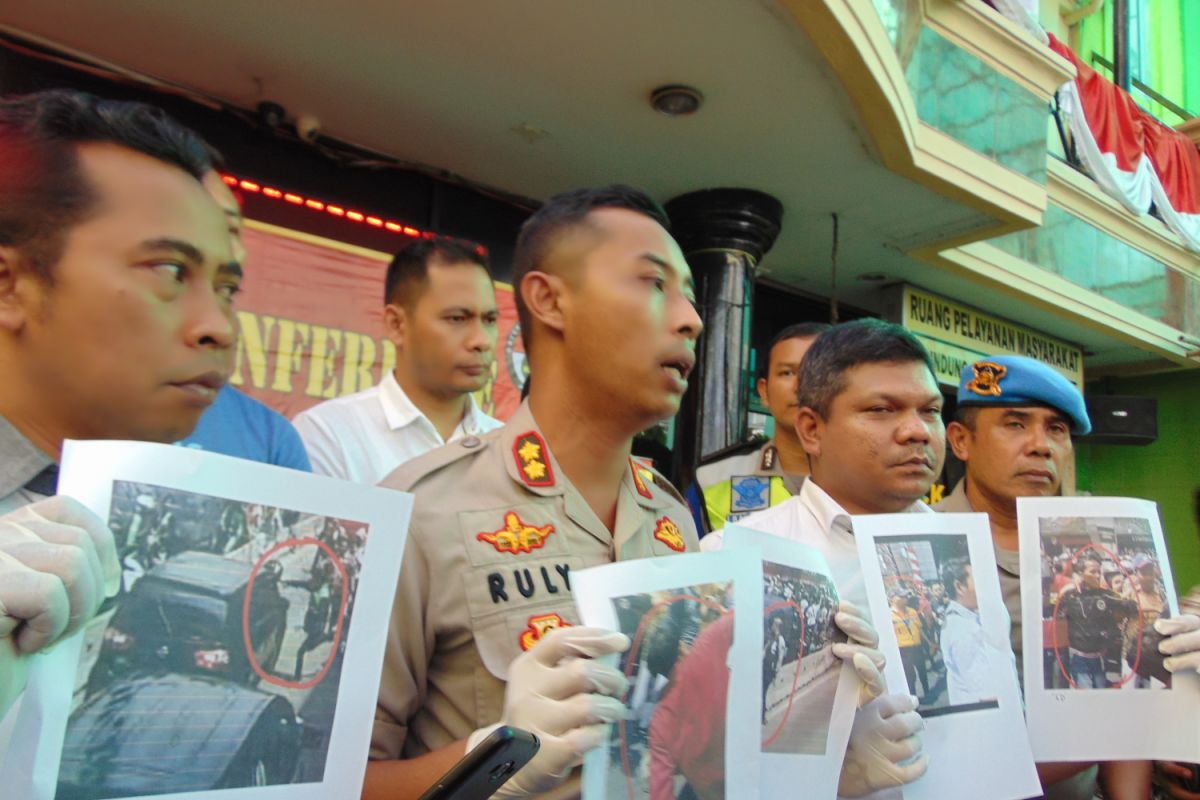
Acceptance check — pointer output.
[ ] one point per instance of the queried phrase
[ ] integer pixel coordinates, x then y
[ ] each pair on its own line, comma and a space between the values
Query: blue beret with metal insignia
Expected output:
1006, 381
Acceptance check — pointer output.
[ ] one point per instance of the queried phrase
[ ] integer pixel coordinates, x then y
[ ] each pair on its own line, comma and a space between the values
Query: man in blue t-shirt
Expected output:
237, 424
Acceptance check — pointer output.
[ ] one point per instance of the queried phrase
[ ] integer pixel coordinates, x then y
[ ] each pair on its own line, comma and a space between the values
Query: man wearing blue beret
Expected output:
1012, 430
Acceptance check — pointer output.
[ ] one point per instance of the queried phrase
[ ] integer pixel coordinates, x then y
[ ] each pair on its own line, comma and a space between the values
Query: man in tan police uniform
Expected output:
1012, 430
479, 631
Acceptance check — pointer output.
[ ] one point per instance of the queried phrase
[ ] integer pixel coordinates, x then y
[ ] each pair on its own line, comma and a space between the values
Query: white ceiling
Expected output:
445, 83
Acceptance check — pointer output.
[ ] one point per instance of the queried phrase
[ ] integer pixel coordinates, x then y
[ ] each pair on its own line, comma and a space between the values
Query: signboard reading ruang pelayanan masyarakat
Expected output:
957, 334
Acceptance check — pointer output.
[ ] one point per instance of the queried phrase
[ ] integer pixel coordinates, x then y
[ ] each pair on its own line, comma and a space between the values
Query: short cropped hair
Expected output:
801, 330
43, 191
967, 416
844, 346
408, 274
954, 572
565, 212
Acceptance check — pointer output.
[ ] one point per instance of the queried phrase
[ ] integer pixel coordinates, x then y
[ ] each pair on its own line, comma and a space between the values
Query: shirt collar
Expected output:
958, 609
830, 515
20, 459
400, 411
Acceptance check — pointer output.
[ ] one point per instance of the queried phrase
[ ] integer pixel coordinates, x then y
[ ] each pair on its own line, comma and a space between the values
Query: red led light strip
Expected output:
343, 213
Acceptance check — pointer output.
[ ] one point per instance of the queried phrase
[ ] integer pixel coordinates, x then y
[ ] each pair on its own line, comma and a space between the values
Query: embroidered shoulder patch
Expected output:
639, 482
538, 626
516, 536
668, 533
529, 449
986, 382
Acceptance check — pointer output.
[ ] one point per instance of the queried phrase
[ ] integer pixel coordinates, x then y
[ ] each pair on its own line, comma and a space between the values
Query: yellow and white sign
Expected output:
957, 335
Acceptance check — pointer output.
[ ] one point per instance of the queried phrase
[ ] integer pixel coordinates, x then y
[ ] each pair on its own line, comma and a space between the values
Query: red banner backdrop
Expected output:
311, 320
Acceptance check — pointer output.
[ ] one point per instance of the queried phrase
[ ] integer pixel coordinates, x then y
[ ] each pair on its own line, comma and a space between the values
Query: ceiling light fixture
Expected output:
676, 100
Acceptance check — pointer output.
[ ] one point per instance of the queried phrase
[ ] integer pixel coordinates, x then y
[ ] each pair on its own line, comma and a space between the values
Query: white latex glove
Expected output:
556, 691
57, 563
1182, 643
885, 733
862, 651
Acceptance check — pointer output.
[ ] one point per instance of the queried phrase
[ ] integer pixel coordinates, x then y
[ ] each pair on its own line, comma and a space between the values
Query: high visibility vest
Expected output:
740, 485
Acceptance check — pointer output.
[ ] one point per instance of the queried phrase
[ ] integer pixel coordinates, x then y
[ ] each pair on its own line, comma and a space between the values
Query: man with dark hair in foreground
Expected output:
870, 421
480, 630
116, 284
440, 313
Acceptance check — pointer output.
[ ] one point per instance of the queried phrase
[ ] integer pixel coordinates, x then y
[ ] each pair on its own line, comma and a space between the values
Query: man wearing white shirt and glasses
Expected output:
440, 313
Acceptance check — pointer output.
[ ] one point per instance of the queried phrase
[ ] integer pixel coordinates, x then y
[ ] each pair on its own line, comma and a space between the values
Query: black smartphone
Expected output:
485, 769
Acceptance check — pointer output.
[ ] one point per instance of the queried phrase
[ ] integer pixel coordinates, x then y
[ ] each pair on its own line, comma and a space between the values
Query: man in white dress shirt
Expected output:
440, 313
870, 420
970, 658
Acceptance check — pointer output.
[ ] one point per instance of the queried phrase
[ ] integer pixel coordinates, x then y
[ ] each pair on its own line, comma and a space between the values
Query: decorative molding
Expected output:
852, 40
1006, 273
1080, 195
1000, 43
971, 172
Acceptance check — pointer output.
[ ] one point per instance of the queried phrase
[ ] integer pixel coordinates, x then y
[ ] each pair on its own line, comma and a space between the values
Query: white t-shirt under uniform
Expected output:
362, 437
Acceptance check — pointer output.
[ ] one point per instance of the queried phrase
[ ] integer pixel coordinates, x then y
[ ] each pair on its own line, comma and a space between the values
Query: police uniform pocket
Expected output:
504, 638
512, 533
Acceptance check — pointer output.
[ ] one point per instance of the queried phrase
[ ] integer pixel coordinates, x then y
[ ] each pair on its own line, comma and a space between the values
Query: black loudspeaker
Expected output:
1118, 419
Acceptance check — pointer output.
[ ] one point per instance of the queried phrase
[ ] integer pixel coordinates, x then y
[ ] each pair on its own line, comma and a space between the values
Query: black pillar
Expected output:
724, 233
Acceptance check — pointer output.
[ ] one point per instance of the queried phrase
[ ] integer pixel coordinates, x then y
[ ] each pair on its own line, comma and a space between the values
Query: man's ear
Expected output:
546, 298
14, 297
395, 324
960, 439
809, 427
762, 391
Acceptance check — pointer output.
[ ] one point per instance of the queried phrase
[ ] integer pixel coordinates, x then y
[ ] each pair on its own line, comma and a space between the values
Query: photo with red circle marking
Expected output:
678, 677
230, 626
799, 670
949, 664
1102, 590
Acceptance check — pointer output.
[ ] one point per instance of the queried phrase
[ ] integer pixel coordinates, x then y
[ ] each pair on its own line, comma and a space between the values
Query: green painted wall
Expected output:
1167, 471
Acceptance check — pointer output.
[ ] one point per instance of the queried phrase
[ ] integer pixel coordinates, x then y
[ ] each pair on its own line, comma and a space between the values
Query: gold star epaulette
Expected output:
529, 450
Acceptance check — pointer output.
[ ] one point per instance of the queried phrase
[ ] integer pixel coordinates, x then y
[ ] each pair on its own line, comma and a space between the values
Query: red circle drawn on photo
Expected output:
631, 660
795, 678
288, 544
1058, 600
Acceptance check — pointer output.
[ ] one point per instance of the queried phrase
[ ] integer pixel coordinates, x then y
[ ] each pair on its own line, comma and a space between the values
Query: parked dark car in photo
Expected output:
220, 736
185, 616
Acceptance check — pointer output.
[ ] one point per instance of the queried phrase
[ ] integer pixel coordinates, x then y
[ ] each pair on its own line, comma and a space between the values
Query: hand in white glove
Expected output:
1182, 643
884, 734
57, 563
862, 651
556, 691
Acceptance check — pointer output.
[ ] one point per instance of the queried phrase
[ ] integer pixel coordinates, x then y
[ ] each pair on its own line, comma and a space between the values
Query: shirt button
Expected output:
470, 441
